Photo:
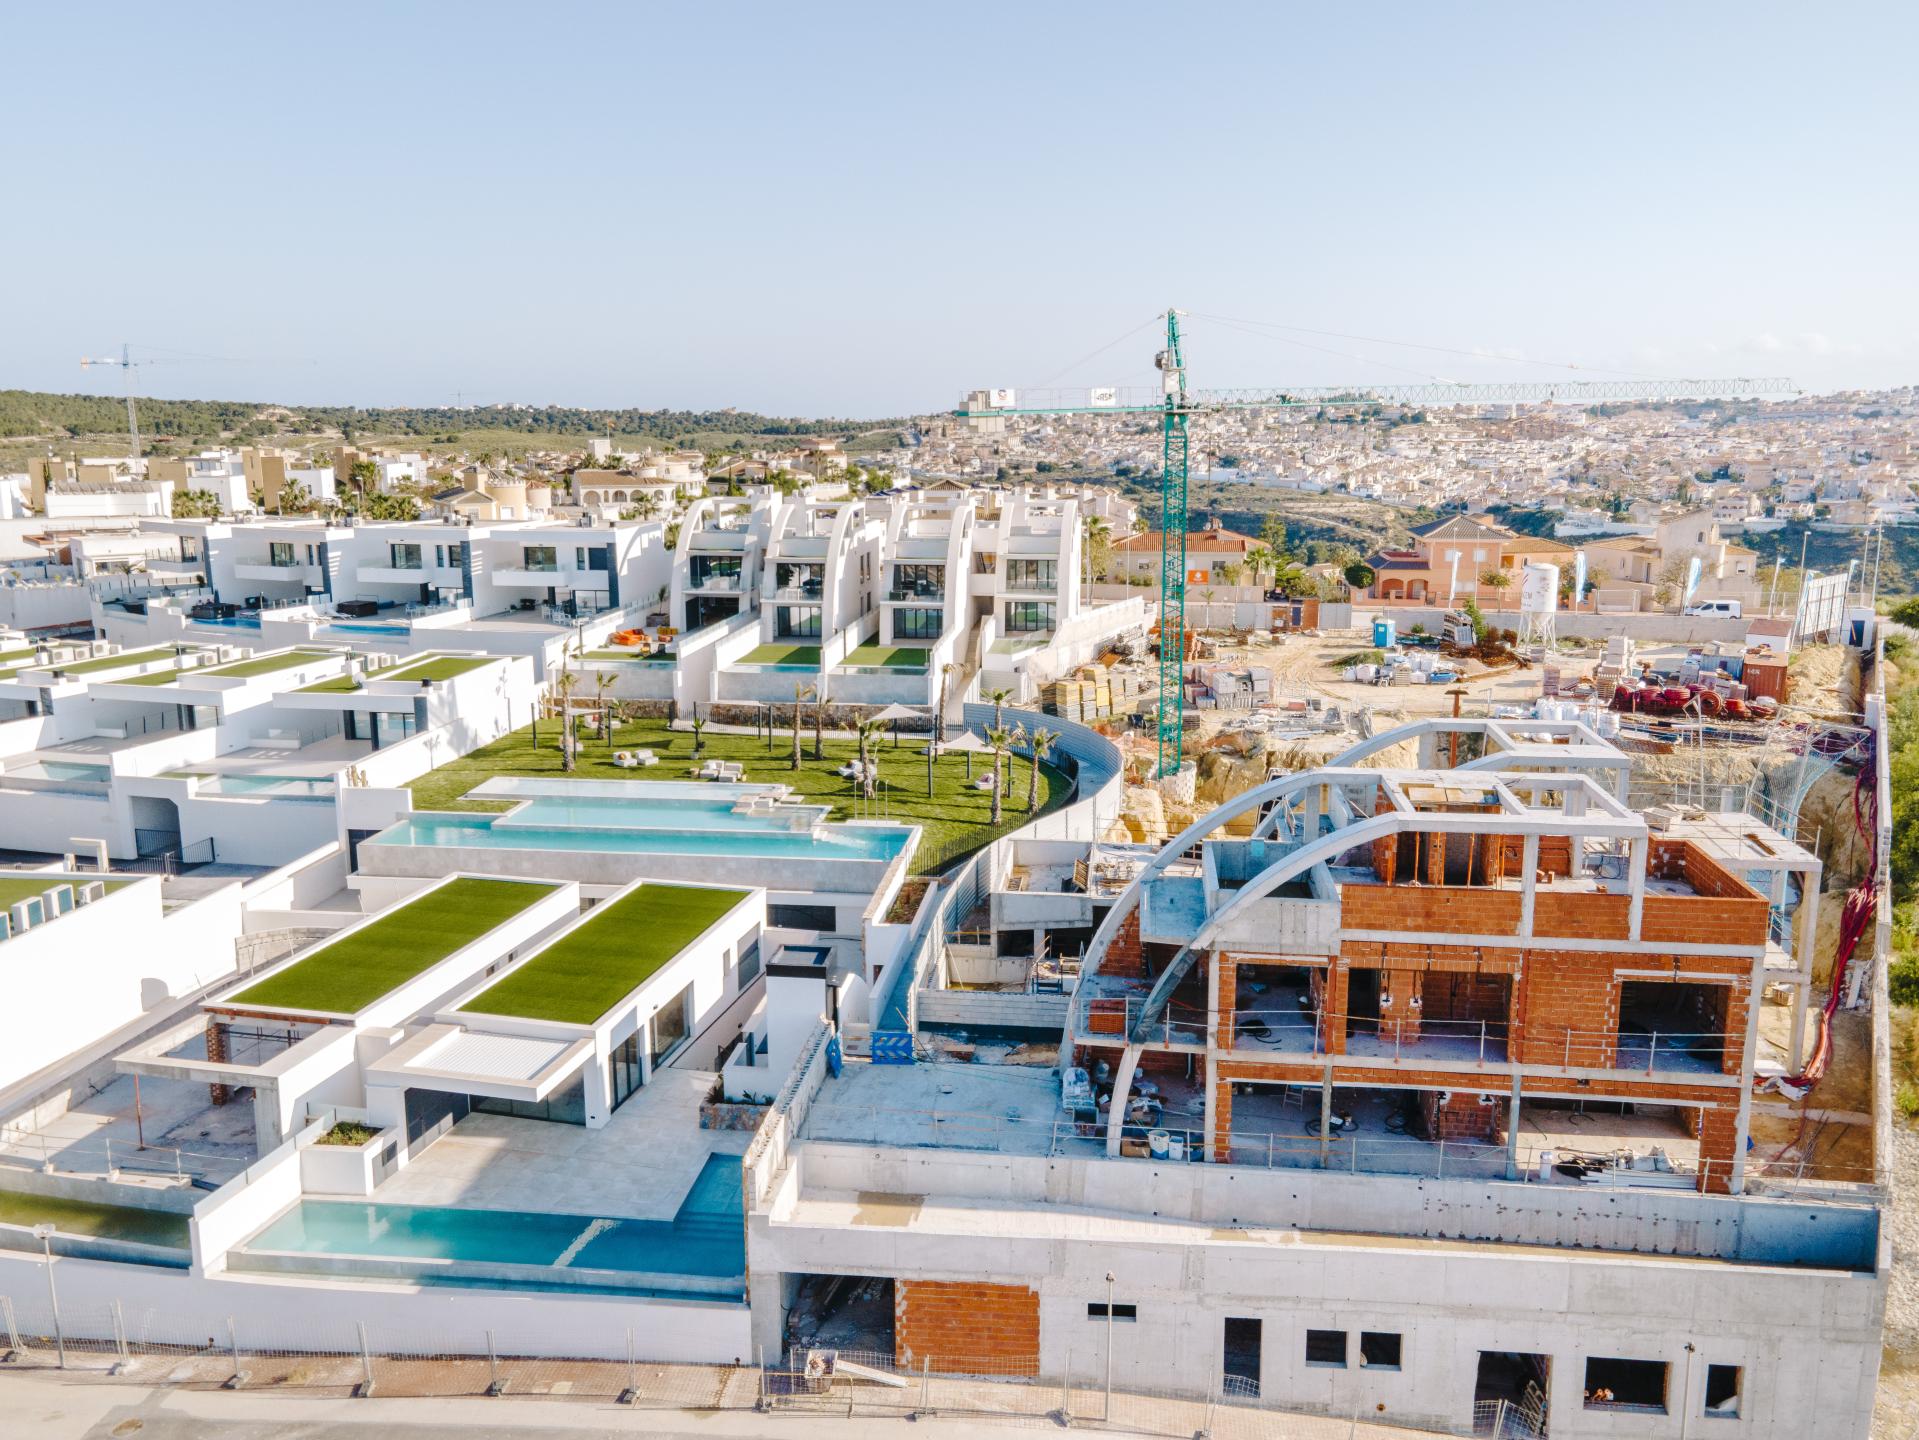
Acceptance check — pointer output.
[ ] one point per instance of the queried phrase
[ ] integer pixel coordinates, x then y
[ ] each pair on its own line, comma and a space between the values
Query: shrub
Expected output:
347, 1132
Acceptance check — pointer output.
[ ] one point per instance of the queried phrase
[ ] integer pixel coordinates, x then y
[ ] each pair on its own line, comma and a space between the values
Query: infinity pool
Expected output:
706, 1237
63, 770
699, 813
281, 787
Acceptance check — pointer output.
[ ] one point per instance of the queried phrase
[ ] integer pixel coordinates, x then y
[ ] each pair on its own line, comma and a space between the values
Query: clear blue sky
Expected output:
861, 210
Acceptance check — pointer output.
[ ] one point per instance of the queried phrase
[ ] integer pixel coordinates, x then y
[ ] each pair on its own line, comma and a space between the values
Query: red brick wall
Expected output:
966, 1326
1561, 991
1123, 955
1574, 916
1430, 909
1459, 1116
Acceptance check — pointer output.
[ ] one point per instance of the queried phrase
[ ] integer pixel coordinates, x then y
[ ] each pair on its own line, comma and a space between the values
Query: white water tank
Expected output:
1538, 589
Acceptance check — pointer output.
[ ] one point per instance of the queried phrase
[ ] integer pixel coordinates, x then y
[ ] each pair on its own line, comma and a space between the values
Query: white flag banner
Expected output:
1102, 395
1001, 398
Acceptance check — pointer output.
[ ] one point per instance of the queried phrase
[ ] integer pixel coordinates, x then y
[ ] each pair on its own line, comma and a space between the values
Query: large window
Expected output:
1027, 616
919, 582
280, 552
624, 1073
802, 917
791, 620
672, 1027
541, 557
749, 965
1032, 574
917, 624
716, 570
403, 557
793, 578
566, 1106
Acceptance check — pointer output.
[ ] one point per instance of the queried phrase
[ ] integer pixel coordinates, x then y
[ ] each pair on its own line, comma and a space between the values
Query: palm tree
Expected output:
800, 692
1042, 741
1000, 739
699, 726
564, 688
997, 699
1260, 559
939, 714
603, 682
819, 721
870, 732
1099, 536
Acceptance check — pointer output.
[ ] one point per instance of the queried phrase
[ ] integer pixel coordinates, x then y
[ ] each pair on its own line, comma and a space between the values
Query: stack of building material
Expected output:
1617, 664
1085, 697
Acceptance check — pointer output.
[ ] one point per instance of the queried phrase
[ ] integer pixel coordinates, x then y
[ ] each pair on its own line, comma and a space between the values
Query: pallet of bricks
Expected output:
1086, 697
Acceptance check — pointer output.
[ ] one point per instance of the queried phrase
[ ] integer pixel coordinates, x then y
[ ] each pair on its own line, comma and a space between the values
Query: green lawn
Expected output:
258, 665
15, 888
891, 657
105, 1222
782, 655
438, 667
124, 660
594, 966
957, 819
347, 975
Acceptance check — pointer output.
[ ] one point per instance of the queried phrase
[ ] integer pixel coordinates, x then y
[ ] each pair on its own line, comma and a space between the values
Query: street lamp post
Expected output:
44, 1234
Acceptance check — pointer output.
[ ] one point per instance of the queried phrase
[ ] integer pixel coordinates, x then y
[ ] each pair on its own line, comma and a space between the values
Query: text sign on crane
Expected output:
1103, 396
1001, 399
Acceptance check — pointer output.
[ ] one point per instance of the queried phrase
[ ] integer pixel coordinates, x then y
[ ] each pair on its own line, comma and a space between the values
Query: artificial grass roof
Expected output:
267, 664
890, 657
602, 960
115, 662
782, 655
439, 667
15, 888
634, 654
346, 975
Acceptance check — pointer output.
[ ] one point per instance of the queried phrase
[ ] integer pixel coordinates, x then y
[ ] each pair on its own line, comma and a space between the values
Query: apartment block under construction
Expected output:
1461, 1095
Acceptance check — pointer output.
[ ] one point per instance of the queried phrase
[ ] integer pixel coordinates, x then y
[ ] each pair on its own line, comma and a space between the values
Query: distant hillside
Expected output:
32, 413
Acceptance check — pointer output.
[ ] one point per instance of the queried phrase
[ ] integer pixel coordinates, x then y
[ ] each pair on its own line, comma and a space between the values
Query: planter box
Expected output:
727, 1115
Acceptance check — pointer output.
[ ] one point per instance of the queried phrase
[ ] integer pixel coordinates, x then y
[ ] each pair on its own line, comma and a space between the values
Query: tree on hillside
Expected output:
1360, 575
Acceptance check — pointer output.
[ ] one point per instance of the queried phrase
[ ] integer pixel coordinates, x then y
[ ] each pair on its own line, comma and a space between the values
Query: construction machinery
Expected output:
1176, 405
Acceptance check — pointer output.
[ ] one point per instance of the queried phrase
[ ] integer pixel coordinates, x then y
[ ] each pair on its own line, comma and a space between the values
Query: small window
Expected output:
1378, 1350
1097, 1311
802, 917
1635, 1385
1326, 1347
1722, 1391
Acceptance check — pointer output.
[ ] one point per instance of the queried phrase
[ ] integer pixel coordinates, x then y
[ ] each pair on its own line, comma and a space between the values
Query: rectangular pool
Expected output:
706, 1238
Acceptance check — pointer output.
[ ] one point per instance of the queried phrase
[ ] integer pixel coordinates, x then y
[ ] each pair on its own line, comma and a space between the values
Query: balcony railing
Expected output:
717, 582
803, 594
925, 597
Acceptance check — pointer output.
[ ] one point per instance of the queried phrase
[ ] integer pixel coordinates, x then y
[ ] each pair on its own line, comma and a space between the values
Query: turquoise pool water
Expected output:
284, 787
64, 770
652, 830
706, 1237
653, 813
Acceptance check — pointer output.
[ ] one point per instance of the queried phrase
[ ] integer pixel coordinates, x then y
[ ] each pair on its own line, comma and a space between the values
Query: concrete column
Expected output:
1122, 1086
1512, 1131
1528, 883
1636, 886
1326, 1115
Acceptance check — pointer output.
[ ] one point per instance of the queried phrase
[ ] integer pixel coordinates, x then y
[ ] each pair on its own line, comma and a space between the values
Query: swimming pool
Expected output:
700, 813
706, 1237
63, 770
831, 842
281, 787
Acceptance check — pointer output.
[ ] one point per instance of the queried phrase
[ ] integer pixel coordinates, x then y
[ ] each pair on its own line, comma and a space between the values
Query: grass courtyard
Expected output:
808, 655
956, 818
435, 667
886, 657
598, 963
346, 975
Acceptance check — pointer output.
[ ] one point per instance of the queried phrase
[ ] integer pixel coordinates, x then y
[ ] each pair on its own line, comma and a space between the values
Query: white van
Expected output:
1722, 609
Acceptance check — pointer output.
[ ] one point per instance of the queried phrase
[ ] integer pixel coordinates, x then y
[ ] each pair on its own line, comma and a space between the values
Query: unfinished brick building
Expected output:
1499, 972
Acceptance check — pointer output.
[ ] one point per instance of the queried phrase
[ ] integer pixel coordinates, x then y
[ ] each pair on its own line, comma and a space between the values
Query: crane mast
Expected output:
1176, 406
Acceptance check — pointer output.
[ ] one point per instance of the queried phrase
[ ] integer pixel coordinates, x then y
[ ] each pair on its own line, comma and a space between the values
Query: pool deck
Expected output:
639, 1166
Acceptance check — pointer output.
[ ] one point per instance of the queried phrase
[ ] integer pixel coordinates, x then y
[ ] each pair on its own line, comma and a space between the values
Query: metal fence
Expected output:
143, 1347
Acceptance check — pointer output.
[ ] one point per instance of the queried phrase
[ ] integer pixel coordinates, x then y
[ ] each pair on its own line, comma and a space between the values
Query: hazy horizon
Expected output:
862, 211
